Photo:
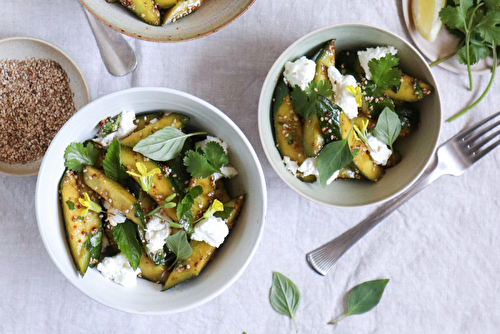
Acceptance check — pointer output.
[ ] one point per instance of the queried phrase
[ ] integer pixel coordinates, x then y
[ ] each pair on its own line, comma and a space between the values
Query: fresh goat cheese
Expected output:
343, 98
119, 270
300, 72
212, 230
291, 165
308, 167
379, 151
115, 216
219, 141
157, 231
373, 53
125, 127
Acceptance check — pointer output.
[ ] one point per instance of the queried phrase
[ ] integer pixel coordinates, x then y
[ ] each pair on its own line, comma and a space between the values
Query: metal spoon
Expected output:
116, 53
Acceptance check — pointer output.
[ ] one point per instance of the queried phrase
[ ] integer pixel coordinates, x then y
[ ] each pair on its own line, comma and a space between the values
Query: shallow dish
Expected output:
19, 48
212, 16
145, 297
416, 150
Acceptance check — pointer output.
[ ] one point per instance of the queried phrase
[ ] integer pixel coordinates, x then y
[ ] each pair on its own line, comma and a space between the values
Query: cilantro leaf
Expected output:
304, 101
179, 245
126, 239
71, 205
198, 165
476, 53
489, 29
77, 156
453, 17
492, 4
215, 154
333, 157
112, 164
388, 127
384, 73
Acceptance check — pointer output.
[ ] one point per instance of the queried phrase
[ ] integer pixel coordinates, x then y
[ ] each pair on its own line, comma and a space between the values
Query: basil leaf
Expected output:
71, 205
198, 165
333, 157
112, 163
388, 127
93, 245
363, 297
76, 156
215, 155
179, 245
126, 239
164, 144
284, 296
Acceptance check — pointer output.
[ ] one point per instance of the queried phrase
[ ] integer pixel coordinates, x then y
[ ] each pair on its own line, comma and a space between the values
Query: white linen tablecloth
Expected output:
440, 250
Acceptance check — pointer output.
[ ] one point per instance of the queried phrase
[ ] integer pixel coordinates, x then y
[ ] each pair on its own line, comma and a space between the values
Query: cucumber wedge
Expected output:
79, 228
181, 9
202, 202
146, 10
411, 90
152, 272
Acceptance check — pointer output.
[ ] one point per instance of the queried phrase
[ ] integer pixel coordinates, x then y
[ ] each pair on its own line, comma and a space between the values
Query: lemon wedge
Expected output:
426, 17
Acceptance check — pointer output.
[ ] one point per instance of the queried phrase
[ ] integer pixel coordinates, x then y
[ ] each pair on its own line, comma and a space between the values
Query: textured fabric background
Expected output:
440, 250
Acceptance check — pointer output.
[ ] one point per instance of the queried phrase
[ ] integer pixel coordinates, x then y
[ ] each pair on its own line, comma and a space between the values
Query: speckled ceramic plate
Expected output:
442, 46
212, 16
21, 47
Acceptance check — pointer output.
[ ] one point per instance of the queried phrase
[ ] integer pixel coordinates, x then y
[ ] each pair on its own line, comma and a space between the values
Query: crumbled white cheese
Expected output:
333, 177
291, 165
119, 269
300, 72
373, 53
219, 141
212, 230
379, 151
125, 127
157, 231
115, 216
154, 120
343, 98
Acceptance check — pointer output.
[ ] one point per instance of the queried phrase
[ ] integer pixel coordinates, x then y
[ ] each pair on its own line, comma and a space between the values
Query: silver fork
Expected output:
453, 158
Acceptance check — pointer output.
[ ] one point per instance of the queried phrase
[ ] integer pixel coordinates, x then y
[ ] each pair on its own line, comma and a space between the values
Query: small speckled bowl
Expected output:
212, 16
417, 149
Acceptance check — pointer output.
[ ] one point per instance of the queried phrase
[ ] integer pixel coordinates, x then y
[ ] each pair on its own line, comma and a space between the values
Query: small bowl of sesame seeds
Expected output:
40, 89
343, 162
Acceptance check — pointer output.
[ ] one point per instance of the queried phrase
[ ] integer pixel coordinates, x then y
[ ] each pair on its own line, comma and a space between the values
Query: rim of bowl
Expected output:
35, 165
269, 78
45, 165
149, 39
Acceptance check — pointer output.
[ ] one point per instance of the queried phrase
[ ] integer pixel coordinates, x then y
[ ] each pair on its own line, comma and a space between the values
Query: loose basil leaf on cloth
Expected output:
388, 127
164, 144
363, 297
333, 157
112, 163
76, 156
284, 296
179, 245
126, 239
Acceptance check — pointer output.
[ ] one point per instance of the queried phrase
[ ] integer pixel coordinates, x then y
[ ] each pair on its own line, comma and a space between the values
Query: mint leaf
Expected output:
77, 156
179, 245
164, 144
388, 127
333, 157
364, 297
112, 163
71, 205
184, 208
384, 75
126, 239
284, 296
215, 154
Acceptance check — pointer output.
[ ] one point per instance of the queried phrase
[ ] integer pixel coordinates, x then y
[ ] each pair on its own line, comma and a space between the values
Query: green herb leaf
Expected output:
455, 17
93, 245
126, 239
167, 205
489, 29
284, 296
333, 157
215, 154
71, 205
179, 245
164, 144
388, 127
139, 214
80, 218
184, 208
304, 101
112, 124
224, 214
77, 156
112, 163
203, 165
364, 297
384, 73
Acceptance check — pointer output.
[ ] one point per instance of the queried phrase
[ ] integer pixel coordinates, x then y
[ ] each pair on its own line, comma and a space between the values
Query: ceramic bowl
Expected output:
146, 297
209, 18
416, 149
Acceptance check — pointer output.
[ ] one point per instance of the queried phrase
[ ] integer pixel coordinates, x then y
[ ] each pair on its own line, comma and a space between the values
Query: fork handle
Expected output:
324, 257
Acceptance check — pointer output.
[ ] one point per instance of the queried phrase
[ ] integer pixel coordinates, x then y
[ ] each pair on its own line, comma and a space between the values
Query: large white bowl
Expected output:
212, 16
417, 148
231, 259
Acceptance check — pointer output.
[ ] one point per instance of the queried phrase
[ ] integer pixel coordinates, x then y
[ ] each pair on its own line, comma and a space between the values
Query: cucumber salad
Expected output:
146, 198
338, 116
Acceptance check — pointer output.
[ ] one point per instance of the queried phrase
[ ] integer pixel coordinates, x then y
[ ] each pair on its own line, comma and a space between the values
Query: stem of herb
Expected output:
334, 322
296, 328
445, 58
493, 70
467, 41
